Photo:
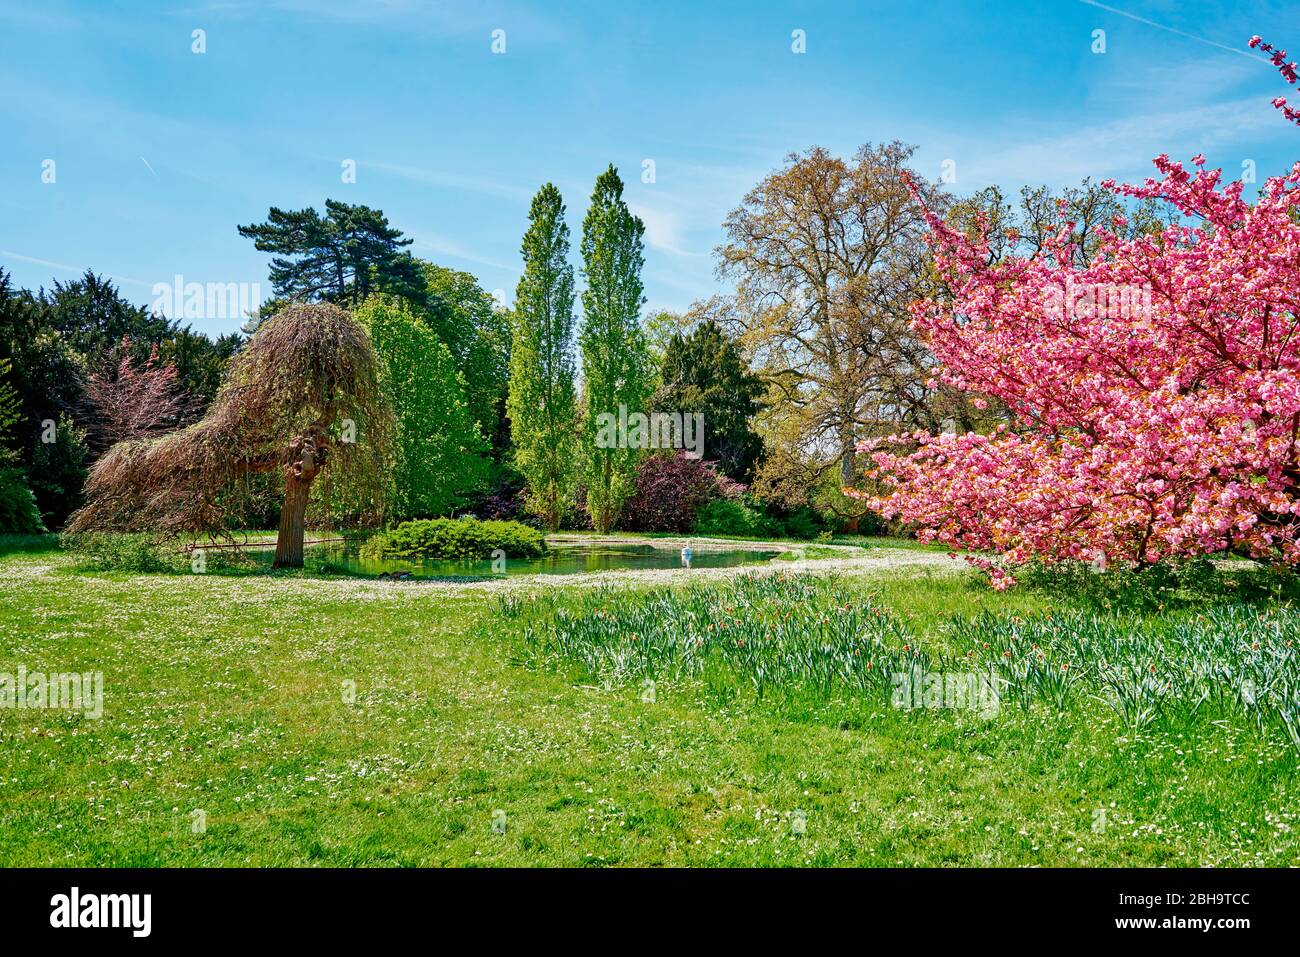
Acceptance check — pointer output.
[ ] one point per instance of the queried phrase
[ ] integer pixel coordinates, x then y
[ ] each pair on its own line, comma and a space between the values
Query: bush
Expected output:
1169, 584
104, 551
58, 473
18, 512
145, 554
668, 493
750, 517
731, 516
455, 538
802, 521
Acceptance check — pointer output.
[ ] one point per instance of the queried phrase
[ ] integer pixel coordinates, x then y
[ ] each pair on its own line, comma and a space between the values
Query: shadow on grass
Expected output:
15, 544
1172, 586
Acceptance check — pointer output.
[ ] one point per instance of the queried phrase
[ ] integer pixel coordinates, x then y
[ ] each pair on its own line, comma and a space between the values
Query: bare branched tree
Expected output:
827, 256
136, 401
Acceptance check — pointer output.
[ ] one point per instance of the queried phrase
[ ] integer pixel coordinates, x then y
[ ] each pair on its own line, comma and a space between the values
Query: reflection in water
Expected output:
561, 560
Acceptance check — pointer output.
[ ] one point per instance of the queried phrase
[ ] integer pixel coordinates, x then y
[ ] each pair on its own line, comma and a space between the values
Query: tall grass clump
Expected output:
803, 634
764, 631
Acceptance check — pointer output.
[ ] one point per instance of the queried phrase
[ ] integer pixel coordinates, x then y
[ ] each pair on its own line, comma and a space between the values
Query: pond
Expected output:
343, 558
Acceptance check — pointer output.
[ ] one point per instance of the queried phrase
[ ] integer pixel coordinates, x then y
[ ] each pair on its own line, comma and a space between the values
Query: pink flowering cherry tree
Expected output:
1154, 395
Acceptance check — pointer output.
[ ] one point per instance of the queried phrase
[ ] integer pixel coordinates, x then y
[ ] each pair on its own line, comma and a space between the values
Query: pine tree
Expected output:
541, 402
703, 372
616, 364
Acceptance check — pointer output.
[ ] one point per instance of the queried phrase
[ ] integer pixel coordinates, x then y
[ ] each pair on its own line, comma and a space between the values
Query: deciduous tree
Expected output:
439, 453
136, 400
828, 255
616, 367
541, 404
1155, 391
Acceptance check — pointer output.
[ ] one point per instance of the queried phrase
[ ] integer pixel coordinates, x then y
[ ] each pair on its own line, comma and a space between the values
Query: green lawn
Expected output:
226, 694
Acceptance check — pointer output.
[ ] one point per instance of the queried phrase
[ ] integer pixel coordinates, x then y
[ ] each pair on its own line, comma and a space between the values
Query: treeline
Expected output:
507, 410
59, 350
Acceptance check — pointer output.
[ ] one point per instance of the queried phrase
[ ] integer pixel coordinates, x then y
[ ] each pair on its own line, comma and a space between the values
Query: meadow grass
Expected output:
229, 694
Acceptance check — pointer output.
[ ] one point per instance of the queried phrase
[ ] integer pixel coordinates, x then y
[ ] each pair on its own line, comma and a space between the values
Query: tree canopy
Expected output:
476, 331
439, 453
542, 402
828, 255
616, 366
704, 372
342, 256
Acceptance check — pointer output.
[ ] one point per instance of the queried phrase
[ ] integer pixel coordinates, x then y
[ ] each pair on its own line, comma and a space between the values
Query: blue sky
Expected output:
161, 152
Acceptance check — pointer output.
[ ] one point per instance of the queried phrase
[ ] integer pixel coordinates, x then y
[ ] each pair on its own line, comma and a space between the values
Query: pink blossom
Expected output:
1170, 427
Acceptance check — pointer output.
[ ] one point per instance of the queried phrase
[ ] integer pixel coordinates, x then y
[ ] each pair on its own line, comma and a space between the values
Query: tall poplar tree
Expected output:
616, 365
541, 402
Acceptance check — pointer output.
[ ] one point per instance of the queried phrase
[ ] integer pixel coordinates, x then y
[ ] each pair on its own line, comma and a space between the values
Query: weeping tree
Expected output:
303, 401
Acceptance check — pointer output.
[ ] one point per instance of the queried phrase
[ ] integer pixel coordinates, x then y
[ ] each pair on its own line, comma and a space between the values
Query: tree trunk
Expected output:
848, 466
293, 518
848, 474
297, 490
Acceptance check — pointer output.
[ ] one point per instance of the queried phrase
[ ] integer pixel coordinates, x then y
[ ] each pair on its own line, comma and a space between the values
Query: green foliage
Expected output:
93, 317
660, 330
110, 551
143, 554
440, 453
794, 633
1234, 661
541, 403
9, 405
763, 631
729, 516
616, 364
146, 554
44, 372
457, 539
477, 332
200, 362
18, 512
704, 372
58, 472
342, 256
747, 516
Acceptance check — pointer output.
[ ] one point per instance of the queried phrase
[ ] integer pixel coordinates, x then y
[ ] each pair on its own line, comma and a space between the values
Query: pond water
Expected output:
560, 560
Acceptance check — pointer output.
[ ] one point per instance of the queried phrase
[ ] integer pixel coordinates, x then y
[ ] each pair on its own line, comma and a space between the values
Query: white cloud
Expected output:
449, 180
662, 228
1121, 148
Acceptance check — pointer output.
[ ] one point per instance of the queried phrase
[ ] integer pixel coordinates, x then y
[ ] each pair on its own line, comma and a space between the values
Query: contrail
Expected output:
1161, 26
147, 166
50, 264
